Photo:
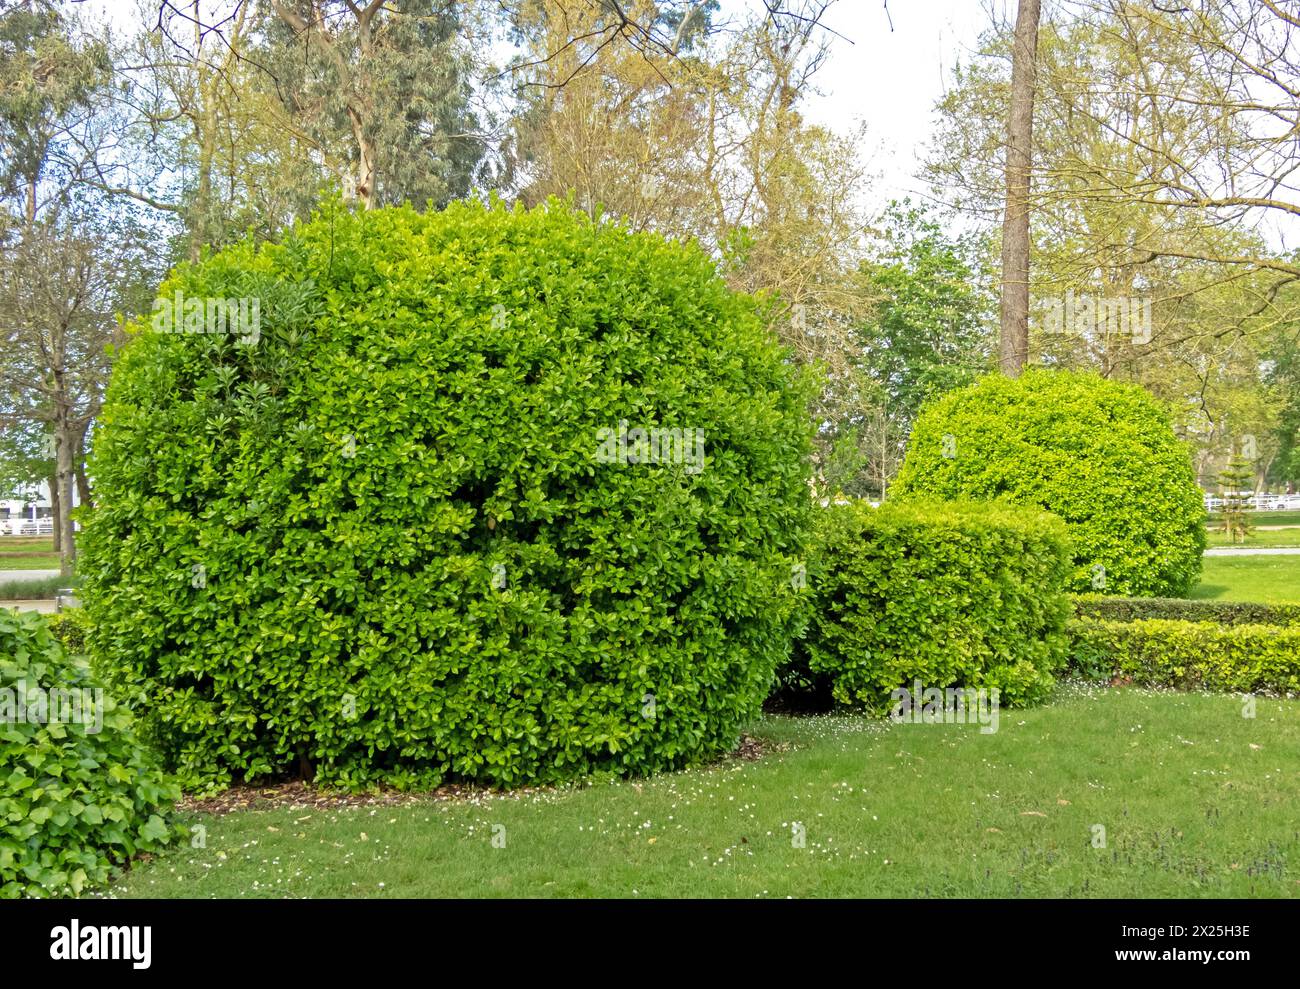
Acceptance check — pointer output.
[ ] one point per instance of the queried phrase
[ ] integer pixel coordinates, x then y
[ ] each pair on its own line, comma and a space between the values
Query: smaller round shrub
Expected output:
951, 594
78, 794
1099, 454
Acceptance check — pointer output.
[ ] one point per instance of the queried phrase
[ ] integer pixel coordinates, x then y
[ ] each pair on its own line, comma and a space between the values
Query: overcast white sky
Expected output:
891, 79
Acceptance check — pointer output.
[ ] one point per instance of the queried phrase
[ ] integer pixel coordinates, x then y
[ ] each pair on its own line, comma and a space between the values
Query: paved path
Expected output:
27, 574
1253, 551
44, 607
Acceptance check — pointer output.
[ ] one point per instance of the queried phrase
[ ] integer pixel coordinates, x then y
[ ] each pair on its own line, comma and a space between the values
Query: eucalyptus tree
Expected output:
63, 286
47, 76
1014, 338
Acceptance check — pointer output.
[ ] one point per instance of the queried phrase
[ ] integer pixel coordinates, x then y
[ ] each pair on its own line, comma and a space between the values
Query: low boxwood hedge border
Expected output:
966, 594
1102, 607
1258, 658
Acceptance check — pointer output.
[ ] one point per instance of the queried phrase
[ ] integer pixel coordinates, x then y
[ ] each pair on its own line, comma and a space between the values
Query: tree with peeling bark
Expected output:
1127, 123
1013, 347
383, 90
186, 118
713, 144
47, 76
62, 287
49, 73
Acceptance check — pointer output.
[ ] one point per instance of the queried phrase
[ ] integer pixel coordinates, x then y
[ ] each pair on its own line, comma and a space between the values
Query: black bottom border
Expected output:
222, 939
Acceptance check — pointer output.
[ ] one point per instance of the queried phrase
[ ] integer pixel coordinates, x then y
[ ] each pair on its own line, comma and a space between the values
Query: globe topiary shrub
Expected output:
950, 594
78, 793
430, 519
1101, 455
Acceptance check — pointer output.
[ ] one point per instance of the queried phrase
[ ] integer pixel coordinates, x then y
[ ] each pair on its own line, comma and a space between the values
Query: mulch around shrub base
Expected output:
300, 794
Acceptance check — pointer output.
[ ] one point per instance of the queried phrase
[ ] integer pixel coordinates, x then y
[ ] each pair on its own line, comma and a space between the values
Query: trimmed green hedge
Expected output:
952, 594
382, 539
1189, 655
78, 793
1222, 612
1099, 454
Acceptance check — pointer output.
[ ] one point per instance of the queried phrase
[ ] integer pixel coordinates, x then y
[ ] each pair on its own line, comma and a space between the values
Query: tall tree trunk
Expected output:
205, 137
63, 490
1013, 349
83, 482
56, 510
68, 546
884, 455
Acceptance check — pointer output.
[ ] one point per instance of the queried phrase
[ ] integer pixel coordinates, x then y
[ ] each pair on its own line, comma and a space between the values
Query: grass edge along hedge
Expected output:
952, 594
378, 543
79, 794
1159, 652
1102, 455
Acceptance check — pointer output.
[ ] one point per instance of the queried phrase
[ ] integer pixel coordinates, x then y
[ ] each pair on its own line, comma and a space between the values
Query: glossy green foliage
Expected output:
1101, 455
78, 792
380, 544
951, 594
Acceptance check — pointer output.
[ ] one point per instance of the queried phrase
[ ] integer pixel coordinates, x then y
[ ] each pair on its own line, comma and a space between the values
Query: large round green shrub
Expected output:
1101, 455
950, 594
78, 793
382, 539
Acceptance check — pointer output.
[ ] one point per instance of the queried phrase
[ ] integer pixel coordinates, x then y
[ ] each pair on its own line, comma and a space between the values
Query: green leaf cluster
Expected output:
77, 798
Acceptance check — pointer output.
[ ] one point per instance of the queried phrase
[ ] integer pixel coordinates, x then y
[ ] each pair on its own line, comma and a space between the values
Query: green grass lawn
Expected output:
26, 544
1270, 579
1195, 801
28, 553
1264, 518
30, 561
1260, 537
